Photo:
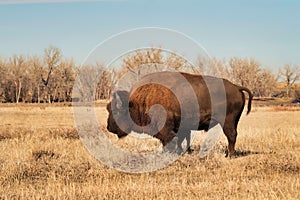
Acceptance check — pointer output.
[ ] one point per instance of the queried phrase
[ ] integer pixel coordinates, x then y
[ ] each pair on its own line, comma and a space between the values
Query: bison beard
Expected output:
132, 111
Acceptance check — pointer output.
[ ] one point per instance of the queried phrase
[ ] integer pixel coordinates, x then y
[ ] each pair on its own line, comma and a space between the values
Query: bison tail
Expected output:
250, 97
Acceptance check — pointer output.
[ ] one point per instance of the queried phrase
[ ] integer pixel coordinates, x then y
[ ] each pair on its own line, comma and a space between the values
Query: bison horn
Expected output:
119, 103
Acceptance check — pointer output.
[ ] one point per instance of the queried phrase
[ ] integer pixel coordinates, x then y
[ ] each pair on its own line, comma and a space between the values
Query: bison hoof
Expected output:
189, 150
179, 151
230, 155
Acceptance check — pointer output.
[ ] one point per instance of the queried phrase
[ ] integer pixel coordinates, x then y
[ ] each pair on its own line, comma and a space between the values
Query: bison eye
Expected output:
131, 105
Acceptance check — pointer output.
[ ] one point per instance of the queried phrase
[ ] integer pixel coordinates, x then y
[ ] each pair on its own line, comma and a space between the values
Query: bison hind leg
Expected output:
231, 134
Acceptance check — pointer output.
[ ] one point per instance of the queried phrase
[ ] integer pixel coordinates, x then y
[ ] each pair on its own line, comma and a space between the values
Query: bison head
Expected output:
119, 121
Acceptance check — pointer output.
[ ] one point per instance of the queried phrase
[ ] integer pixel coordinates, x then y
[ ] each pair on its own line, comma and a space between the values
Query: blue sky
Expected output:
267, 30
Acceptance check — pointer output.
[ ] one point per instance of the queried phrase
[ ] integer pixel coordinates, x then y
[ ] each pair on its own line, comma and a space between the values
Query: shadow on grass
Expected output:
237, 154
241, 153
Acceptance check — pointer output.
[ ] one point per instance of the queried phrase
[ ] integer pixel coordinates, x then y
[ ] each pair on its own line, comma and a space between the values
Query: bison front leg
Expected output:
167, 139
188, 143
179, 143
181, 136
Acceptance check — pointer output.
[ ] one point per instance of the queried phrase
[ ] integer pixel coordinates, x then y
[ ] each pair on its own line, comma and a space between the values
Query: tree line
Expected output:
50, 77
37, 79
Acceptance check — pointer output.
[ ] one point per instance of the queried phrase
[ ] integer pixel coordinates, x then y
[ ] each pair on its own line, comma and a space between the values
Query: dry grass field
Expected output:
43, 158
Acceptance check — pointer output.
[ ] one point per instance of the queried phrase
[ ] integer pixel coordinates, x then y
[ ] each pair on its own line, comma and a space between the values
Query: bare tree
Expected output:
245, 71
241, 71
67, 79
17, 66
144, 61
32, 79
212, 67
63, 78
52, 59
3, 76
105, 83
178, 63
51, 77
36, 73
266, 84
289, 74
87, 79
140, 58
152, 58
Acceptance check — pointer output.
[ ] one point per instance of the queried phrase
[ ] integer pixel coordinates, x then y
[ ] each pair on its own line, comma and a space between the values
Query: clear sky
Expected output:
267, 30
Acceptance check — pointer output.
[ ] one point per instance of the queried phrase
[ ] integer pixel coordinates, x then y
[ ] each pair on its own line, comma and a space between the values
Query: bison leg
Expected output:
181, 136
179, 142
188, 142
231, 133
166, 138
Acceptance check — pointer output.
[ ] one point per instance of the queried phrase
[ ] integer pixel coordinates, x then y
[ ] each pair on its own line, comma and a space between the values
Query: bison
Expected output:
170, 104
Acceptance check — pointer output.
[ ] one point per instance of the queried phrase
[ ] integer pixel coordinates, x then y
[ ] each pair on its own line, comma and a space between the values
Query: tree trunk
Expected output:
18, 90
288, 90
54, 94
49, 96
38, 93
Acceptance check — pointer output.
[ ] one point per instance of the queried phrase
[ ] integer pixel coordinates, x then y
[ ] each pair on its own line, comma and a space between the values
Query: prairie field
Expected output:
42, 157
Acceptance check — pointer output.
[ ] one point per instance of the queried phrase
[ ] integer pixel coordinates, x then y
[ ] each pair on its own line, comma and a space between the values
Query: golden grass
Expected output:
42, 157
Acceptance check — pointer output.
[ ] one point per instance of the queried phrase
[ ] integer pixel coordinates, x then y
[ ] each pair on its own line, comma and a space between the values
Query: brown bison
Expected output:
169, 104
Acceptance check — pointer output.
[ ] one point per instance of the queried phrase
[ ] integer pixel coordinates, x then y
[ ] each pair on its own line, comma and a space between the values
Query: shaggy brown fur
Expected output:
190, 102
